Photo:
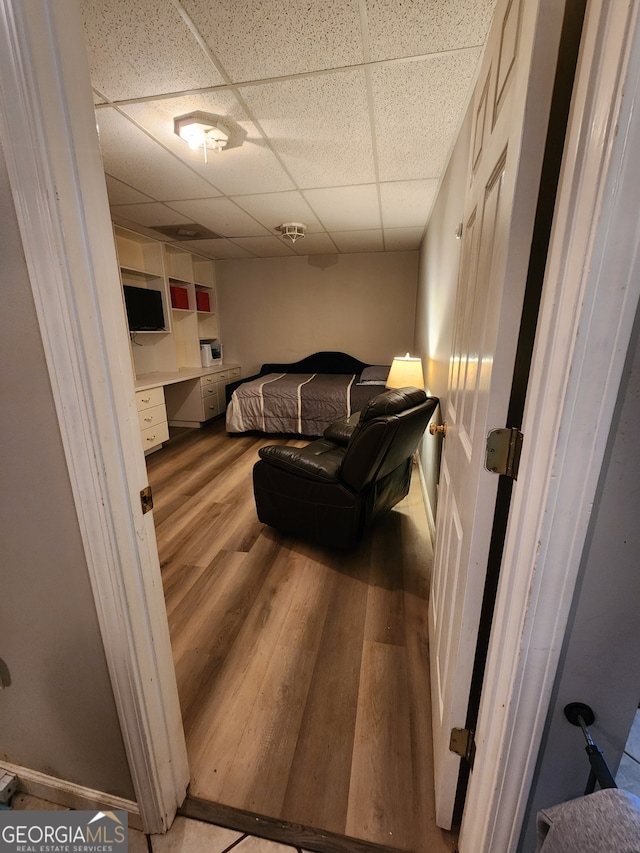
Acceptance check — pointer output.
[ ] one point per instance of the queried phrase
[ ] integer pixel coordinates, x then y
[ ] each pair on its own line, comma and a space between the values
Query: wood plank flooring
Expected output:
302, 673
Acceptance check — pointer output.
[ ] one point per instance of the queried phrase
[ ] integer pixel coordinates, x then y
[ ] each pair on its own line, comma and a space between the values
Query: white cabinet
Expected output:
152, 417
193, 402
210, 398
217, 383
172, 386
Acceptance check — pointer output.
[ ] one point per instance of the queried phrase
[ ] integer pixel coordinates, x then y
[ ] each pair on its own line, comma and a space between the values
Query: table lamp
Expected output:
405, 371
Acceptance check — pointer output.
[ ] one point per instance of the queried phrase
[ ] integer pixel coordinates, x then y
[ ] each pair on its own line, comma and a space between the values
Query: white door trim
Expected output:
590, 298
47, 124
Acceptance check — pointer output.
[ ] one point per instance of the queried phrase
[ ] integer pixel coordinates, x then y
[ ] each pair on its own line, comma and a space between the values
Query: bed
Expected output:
303, 397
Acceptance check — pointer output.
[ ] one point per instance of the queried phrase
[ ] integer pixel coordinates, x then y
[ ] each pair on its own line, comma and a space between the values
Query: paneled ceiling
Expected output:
342, 114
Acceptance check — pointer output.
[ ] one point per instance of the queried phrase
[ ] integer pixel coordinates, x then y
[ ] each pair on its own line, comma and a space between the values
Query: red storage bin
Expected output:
179, 297
202, 300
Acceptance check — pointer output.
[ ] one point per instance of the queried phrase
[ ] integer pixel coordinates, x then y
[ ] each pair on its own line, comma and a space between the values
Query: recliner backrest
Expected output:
391, 402
388, 432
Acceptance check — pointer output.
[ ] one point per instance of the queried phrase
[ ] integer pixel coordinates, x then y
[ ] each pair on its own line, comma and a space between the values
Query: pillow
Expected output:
376, 374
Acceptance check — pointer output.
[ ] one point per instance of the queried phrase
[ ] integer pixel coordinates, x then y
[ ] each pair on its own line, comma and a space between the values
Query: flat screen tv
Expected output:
144, 309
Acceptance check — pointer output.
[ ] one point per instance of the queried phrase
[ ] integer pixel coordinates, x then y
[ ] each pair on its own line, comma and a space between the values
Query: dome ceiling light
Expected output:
202, 130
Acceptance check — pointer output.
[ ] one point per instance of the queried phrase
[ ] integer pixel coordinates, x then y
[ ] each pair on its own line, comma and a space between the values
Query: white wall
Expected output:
282, 309
437, 287
438, 271
58, 714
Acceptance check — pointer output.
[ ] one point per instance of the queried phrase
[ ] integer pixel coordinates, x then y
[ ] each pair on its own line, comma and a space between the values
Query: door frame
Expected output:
48, 131
62, 209
589, 302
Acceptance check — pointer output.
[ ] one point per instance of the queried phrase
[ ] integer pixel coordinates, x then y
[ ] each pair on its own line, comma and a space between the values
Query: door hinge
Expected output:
462, 742
146, 500
504, 447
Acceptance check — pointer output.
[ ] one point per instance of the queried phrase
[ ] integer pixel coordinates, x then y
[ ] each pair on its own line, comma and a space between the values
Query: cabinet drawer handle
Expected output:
145, 399
148, 419
151, 438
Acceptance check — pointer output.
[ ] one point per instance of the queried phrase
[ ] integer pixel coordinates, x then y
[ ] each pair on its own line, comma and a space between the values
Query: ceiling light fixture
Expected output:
201, 130
292, 230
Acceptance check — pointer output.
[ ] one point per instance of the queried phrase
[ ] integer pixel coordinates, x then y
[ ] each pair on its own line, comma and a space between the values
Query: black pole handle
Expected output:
579, 714
599, 767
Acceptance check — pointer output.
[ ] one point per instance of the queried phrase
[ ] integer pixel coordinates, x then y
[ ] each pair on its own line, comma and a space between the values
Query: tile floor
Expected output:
628, 775
185, 836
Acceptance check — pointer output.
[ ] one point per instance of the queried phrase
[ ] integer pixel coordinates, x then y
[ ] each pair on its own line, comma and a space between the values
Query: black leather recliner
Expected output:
333, 489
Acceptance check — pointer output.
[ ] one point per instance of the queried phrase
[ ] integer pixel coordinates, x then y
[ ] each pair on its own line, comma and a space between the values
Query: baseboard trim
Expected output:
431, 521
68, 794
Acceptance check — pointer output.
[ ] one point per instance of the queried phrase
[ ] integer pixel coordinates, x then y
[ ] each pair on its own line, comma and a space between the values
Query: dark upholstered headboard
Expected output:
318, 362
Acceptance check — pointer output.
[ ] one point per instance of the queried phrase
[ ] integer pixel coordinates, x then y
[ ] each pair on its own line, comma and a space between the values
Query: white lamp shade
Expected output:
406, 371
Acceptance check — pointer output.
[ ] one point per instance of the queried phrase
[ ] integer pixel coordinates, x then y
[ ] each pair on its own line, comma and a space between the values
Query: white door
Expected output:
510, 109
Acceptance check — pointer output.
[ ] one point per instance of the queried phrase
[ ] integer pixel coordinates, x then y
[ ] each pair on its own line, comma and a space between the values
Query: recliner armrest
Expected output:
321, 460
340, 431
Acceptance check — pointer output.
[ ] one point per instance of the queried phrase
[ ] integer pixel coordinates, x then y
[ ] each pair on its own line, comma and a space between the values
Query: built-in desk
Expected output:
188, 398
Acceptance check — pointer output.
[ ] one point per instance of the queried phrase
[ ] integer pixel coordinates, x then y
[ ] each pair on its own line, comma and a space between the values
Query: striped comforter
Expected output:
301, 403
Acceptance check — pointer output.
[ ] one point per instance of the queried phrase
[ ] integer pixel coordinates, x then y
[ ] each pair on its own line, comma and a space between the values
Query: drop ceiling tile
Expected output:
407, 203
269, 38
265, 247
216, 248
307, 152
417, 111
346, 208
143, 47
273, 209
319, 126
402, 239
358, 241
414, 27
221, 216
246, 163
315, 244
133, 158
120, 193
149, 215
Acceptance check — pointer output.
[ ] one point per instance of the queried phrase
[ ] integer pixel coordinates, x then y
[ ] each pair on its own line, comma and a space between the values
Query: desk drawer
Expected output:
154, 435
152, 416
209, 379
149, 398
221, 376
210, 407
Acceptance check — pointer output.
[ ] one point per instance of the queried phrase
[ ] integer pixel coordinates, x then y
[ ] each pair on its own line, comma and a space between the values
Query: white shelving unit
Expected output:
148, 263
168, 360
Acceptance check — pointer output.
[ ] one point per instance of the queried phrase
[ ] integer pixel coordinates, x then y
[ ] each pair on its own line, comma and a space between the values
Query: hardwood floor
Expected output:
303, 674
